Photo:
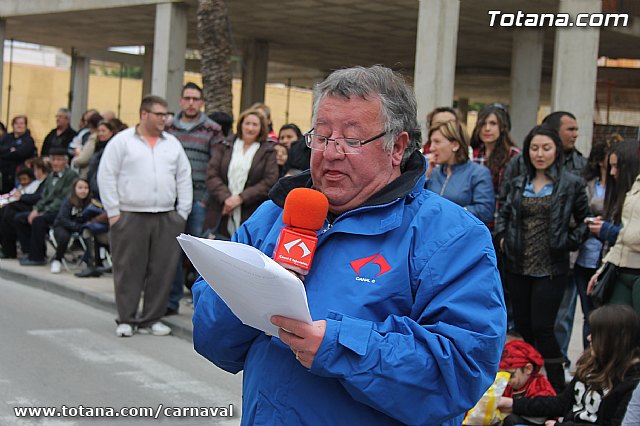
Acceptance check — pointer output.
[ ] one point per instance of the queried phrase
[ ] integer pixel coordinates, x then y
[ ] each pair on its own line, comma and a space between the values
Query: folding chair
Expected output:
70, 256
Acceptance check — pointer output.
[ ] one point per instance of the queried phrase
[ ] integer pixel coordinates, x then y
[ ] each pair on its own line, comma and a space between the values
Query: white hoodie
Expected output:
132, 177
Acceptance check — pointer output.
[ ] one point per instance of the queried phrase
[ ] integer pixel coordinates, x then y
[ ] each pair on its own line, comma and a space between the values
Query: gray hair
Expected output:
398, 102
65, 111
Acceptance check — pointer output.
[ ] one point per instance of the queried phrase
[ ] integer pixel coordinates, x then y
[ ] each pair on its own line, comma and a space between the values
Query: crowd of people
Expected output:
559, 217
537, 224
69, 190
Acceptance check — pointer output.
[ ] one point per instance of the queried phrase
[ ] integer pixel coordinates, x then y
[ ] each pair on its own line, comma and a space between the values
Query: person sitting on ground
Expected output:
32, 227
606, 375
70, 219
524, 362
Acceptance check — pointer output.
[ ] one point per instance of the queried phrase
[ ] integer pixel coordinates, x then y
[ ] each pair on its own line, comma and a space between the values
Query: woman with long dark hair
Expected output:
536, 233
491, 142
622, 168
595, 174
70, 219
625, 253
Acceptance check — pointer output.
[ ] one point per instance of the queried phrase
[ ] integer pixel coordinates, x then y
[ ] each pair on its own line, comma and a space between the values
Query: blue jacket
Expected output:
469, 186
414, 330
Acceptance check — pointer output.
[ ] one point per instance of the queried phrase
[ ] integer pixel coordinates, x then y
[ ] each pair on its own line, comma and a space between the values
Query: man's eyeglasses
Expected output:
162, 115
347, 146
191, 99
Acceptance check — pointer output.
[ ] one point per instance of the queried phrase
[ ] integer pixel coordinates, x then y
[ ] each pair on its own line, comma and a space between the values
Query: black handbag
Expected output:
601, 293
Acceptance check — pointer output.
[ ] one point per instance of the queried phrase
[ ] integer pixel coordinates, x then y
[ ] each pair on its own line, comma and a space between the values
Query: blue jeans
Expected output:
564, 318
581, 277
193, 227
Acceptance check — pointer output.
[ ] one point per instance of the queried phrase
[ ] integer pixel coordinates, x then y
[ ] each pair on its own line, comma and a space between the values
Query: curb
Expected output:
97, 300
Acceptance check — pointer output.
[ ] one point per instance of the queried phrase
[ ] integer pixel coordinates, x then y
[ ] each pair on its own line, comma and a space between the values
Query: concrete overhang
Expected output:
309, 38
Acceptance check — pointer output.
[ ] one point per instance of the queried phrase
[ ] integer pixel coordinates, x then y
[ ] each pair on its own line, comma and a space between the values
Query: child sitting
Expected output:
70, 219
523, 362
606, 375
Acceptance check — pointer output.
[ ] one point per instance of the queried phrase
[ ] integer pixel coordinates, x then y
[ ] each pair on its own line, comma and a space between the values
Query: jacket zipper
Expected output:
444, 185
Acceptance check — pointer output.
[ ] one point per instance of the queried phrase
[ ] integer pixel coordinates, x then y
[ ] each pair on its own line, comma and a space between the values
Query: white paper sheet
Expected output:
252, 284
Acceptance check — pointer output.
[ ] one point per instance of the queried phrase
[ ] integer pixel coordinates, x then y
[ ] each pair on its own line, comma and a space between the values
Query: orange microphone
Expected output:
305, 211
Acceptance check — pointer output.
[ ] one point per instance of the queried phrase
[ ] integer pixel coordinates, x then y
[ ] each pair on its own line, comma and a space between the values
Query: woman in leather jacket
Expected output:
541, 221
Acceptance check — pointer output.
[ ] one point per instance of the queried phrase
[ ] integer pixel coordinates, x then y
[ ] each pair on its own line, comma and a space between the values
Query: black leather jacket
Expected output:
569, 199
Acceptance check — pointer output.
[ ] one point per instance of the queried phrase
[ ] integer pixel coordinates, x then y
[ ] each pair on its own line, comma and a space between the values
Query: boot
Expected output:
555, 374
90, 270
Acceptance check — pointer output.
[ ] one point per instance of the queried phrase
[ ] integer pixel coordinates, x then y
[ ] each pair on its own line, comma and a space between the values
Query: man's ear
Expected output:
529, 368
399, 146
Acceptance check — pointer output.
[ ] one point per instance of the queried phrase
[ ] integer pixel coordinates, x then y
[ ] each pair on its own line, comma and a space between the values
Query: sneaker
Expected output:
56, 266
157, 329
124, 330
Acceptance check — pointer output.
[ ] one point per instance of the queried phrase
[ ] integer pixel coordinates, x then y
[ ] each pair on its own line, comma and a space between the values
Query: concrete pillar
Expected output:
254, 72
3, 31
436, 45
463, 109
169, 48
147, 69
80, 66
573, 87
526, 72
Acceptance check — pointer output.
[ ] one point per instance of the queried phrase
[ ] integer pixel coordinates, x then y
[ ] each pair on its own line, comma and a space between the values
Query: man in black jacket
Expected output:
61, 136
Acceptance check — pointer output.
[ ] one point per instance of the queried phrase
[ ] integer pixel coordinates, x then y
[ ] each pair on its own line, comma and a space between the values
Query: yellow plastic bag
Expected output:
486, 413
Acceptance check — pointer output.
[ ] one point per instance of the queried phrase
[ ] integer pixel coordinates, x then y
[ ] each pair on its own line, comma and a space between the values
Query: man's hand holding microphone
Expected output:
305, 211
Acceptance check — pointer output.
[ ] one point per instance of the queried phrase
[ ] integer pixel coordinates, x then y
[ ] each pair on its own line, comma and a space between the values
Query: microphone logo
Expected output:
298, 242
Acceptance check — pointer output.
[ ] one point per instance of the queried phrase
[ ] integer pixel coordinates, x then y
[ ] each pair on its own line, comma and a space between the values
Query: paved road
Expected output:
55, 351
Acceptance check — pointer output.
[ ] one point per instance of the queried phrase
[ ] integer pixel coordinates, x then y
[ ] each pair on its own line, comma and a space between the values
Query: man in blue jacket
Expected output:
409, 314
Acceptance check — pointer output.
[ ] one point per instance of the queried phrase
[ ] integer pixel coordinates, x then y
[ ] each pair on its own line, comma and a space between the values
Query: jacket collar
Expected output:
178, 124
458, 166
139, 135
405, 184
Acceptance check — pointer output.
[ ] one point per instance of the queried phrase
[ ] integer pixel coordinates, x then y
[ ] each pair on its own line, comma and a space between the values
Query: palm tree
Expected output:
214, 36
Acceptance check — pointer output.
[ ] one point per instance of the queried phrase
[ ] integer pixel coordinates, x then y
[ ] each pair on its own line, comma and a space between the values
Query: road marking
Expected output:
174, 385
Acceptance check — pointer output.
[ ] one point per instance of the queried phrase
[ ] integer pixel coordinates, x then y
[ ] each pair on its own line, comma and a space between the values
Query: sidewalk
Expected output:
97, 292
